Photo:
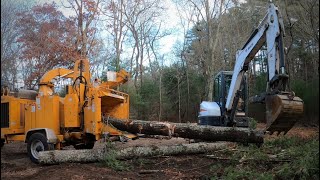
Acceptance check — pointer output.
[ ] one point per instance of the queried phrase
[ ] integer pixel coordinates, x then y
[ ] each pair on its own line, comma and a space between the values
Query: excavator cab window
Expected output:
221, 87
217, 89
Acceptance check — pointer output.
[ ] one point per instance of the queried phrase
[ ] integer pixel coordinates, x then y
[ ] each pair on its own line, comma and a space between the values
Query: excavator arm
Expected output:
281, 106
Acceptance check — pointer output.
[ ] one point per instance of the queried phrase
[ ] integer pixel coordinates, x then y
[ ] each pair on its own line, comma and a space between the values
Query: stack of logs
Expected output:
183, 130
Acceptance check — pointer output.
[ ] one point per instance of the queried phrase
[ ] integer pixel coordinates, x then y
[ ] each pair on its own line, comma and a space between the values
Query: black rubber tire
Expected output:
2, 142
40, 138
89, 145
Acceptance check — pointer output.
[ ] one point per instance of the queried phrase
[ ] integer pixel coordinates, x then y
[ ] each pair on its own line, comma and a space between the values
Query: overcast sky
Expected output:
170, 22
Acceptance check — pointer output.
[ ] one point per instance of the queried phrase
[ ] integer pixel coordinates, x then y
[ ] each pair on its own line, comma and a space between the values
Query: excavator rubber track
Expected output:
282, 112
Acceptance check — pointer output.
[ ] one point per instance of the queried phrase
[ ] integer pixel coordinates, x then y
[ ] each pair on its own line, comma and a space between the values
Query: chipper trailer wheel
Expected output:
36, 143
2, 142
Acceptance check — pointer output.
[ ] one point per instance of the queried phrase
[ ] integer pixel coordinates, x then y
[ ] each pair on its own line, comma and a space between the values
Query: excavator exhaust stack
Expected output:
282, 112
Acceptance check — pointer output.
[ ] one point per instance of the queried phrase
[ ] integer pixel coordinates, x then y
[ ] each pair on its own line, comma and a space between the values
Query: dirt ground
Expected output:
16, 165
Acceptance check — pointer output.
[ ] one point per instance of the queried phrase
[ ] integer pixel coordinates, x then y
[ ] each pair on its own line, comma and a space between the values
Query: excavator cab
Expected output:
213, 113
221, 87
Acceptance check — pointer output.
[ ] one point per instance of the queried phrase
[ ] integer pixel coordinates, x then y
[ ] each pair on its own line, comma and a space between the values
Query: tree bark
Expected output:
94, 155
214, 133
191, 131
143, 127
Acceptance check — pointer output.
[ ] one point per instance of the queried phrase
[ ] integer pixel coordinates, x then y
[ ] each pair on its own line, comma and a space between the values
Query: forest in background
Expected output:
37, 37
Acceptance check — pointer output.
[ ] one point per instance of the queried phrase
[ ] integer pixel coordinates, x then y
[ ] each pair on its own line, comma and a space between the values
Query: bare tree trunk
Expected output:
131, 60
94, 155
210, 70
213, 41
137, 67
160, 95
254, 67
188, 89
179, 101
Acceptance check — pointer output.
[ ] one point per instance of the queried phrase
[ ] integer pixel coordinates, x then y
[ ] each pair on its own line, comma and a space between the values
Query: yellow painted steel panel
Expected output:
92, 116
16, 137
6, 131
71, 111
45, 114
16, 114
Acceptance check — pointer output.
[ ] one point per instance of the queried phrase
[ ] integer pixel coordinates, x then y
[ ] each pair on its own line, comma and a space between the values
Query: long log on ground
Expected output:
94, 155
191, 131
215, 133
143, 127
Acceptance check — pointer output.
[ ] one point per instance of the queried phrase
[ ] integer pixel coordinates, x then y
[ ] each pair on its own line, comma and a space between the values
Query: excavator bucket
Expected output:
282, 112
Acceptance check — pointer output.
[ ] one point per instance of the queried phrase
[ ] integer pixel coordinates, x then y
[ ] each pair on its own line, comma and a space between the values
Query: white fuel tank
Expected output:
209, 109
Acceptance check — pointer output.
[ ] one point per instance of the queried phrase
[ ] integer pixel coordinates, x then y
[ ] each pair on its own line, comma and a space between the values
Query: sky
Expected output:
170, 23
171, 20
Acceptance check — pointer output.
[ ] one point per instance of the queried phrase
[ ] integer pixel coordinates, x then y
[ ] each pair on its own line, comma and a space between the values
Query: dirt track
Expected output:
16, 165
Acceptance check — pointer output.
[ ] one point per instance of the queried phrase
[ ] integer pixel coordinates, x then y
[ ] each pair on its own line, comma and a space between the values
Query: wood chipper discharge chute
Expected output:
282, 112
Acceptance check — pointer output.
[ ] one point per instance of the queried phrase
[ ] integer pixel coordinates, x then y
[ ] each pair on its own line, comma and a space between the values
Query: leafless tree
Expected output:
205, 17
10, 49
141, 20
87, 15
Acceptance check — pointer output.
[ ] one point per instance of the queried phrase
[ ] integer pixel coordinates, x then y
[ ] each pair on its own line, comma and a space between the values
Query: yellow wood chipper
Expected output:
46, 121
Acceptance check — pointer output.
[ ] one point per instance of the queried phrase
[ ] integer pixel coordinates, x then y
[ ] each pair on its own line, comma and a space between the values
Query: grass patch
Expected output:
281, 158
245, 173
252, 123
305, 163
142, 162
111, 161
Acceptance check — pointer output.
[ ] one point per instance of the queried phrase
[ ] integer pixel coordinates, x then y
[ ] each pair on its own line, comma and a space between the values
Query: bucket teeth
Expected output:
282, 112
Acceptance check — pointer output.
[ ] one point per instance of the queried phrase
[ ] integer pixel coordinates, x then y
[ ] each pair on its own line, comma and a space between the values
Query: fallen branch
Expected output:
149, 171
270, 160
94, 155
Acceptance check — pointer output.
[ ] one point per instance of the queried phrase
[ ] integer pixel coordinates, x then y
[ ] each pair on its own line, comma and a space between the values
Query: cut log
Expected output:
143, 127
191, 131
215, 133
94, 155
